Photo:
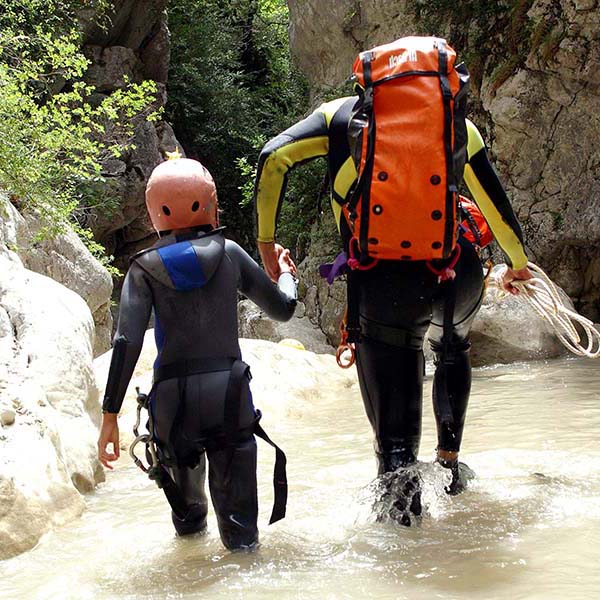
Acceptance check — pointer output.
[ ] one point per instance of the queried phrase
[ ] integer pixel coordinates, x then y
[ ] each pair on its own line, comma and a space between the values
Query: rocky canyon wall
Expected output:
535, 68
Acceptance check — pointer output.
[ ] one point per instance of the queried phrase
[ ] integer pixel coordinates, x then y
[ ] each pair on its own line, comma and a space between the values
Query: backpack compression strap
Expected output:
451, 183
362, 191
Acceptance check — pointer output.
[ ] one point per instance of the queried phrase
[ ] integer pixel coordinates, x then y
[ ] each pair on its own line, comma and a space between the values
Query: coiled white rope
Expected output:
543, 296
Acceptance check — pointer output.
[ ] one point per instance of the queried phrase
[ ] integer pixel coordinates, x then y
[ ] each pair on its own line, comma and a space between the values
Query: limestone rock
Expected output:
254, 324
48, 453
540, 120
131, 45
111, 68
65, 259
507, 329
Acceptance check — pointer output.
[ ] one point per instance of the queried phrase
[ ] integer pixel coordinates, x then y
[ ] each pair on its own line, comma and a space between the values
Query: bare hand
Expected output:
109, 434
286, 264
269, 254
511, 275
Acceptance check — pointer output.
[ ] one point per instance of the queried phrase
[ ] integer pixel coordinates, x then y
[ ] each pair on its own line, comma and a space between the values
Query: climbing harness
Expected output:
157, 468
544, 297
352, 325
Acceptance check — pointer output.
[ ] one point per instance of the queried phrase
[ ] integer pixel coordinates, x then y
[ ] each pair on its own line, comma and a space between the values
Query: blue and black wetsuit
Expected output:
192, 284
398, 301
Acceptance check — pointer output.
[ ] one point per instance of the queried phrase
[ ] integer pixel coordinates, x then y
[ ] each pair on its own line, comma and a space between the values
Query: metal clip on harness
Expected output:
153, 470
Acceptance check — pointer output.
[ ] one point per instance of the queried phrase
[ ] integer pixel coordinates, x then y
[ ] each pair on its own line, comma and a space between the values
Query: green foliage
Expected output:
26, 16
492, 37
54, 133
232, 86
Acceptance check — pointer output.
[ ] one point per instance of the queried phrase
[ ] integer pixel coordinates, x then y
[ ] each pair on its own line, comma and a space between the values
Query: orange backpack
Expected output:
408, 139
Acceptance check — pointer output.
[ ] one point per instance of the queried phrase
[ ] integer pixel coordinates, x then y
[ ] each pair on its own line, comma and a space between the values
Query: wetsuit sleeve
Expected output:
302, 142
488, 193
134, 314
279, 302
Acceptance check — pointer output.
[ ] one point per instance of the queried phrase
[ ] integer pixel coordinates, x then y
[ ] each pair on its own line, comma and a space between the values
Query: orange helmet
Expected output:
181, 193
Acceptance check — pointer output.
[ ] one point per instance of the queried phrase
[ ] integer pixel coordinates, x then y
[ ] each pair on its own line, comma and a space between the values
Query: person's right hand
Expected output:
270, 258
109, 434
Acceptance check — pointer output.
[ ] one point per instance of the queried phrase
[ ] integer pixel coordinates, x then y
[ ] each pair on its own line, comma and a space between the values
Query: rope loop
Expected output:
544, 297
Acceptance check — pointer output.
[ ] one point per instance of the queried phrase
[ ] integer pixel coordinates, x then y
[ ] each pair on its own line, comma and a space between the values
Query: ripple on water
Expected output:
527, 527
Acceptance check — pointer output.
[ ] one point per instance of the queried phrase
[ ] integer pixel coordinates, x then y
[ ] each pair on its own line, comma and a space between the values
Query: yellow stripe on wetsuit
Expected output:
272, 178
503, 233
307, 140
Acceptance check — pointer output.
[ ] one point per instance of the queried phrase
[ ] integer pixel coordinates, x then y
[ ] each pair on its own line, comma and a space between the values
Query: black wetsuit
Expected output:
192, 284
398, 301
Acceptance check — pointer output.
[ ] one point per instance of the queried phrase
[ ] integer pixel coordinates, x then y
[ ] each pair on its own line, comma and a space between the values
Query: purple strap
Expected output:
335, 269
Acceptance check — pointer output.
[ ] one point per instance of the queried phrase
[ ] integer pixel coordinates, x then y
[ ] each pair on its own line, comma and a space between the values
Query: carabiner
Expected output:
339, 355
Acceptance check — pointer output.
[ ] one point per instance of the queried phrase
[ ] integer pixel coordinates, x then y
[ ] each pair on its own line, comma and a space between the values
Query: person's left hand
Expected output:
511, 275
286, 264
109, 434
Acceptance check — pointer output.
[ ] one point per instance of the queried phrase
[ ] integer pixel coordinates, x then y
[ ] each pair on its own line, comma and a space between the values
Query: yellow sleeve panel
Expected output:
488, 193
344, 178
273, 178
474, 139
330, 108
504, 235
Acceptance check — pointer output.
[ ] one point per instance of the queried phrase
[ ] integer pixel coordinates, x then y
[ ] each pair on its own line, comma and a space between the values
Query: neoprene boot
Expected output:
400, 496
461, 475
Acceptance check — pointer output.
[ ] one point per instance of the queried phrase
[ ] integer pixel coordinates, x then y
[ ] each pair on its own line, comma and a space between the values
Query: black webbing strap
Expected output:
280, 486
352, 316
445, 408
193, 366
451, 185
233, 396
363, 235
362, 189
393, 336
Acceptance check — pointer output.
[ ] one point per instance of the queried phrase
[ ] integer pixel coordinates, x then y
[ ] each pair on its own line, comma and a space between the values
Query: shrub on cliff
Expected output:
54, 133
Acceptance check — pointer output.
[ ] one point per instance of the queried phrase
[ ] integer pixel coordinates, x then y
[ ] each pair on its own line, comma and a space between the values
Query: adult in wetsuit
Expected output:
190, 278
398, 301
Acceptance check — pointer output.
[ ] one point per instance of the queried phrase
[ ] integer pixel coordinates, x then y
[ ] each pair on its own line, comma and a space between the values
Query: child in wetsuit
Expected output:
190, 277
